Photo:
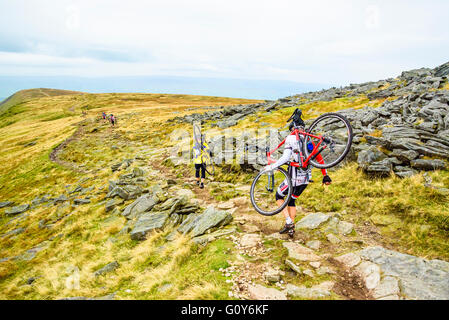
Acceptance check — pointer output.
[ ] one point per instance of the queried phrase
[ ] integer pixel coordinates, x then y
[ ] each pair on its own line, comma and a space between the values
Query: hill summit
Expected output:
29, 94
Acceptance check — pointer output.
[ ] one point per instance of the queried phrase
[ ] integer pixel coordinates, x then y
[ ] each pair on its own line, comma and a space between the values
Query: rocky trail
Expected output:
326, 255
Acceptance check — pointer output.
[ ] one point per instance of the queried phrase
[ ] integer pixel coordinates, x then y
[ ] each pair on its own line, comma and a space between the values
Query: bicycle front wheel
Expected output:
337, 133
263, 191
197, 134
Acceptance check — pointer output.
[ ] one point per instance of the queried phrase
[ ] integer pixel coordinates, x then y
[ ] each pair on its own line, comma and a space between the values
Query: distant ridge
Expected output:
24, 95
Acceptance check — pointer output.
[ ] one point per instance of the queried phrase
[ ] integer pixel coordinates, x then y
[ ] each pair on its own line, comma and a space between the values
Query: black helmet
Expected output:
296, 120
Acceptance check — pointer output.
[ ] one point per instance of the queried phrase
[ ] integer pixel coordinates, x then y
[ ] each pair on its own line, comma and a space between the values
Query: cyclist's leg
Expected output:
281, 193
203, 172
291, 207
197, 173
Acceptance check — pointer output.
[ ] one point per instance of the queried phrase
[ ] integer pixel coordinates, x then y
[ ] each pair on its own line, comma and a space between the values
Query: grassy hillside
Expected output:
89, 237
30, 129
400, 214
26, 95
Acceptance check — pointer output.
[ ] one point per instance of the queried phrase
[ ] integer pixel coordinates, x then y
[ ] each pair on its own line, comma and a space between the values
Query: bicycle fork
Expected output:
270, 182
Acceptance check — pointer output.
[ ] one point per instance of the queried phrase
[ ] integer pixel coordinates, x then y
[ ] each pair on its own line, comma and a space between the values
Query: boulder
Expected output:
405, 155
428, 164
208, 237
324, 270
148, 222
442, 70
197, 225
81, 201
293, 266
380, 168
259, 292
349, 260
107, 268
418, 278
388, 286
405, 174
318, 291
312, 221
344, 227
140, 205
299, 252
250, 240
332, 238
272, 275
117, 192
370, 155
6, 204
132, 191
370, 274
332, 225
314, 244
112, 186
61, 198
226, 123
185, 193
110, 205
17, 210
369, 117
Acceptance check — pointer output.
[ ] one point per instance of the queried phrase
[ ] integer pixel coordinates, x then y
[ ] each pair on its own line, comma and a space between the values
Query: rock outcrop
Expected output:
391, 274
407, 133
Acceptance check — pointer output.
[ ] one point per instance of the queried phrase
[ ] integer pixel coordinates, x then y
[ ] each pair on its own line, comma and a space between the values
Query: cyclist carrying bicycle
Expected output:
198, 152
300, 177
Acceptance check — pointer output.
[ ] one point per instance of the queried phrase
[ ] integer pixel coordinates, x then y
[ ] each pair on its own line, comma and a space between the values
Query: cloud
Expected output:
319, 41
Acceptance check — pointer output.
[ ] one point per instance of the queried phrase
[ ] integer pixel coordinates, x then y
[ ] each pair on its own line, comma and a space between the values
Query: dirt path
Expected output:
54, 155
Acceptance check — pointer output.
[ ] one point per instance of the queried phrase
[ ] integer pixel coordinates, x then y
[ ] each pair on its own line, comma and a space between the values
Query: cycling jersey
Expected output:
299, 176
198, 152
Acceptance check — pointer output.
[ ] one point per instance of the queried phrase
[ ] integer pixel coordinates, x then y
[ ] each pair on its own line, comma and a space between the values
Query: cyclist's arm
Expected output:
320, 160
282, 160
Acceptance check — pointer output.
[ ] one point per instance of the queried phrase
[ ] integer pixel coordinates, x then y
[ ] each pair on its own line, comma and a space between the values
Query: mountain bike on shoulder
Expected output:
202, 156
323, 145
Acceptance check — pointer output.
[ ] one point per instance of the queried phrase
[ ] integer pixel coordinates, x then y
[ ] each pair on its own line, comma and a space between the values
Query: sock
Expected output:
289, 220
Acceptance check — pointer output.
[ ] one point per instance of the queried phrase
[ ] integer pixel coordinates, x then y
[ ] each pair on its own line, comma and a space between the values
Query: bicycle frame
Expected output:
304, 163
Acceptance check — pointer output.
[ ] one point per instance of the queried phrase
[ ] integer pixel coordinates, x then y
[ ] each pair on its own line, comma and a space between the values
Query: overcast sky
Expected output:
306, 41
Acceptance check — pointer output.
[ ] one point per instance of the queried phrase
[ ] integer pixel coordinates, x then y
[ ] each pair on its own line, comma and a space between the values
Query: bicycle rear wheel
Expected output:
208, 164
337, 131
263, 191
